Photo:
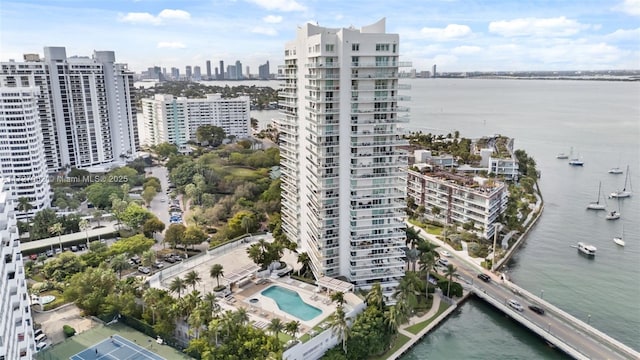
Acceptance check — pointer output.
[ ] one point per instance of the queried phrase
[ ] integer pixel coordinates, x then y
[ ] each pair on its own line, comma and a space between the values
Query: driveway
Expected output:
53, 320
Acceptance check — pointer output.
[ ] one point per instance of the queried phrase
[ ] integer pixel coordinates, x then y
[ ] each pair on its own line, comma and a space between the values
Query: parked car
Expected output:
515, 305
536, 309
49, 253
445, 253
136, 259
158, 265
443, 262
144, 269
74, 248
33, 256
41, 345
484, 277
37, 332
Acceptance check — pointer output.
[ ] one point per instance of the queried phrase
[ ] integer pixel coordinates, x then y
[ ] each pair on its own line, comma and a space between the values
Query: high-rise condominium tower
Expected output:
86, 106
343, 184
15, 316
23, 165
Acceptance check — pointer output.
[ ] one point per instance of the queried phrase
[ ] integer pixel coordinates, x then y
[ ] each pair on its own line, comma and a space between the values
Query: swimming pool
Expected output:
290, 302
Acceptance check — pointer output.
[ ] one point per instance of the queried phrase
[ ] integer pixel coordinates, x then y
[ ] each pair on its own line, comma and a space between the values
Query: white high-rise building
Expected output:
22, 159
343, 172
86, 106
166, 118
16, 331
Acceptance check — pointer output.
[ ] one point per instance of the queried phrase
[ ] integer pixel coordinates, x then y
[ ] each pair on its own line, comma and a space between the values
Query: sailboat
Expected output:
575, 161
616, 171
596, 204
624, 193
619, 240
615, 214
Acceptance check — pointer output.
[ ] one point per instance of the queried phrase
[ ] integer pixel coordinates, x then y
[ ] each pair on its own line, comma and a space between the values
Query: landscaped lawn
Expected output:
416, 328
400, 341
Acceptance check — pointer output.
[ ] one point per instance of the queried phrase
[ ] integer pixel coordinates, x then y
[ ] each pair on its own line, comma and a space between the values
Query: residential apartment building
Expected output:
86, 106
458, 198
23, 164
176, 120
343, 174
16, 328
497, 156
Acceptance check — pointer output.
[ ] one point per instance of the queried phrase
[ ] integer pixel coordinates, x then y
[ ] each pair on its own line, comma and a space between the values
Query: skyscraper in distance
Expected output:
197, 74
187, 71
343, 180
208, 69
221, 70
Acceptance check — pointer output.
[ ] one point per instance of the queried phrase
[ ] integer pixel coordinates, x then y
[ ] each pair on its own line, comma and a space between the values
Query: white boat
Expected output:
589, 250
562, 156
619, 240
616, 171
596, 204
614, 215
576, 162
624, 193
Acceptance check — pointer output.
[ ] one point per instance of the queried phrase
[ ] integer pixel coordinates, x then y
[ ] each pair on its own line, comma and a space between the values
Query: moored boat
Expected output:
614, 215
616, 171
589, 250
595, 205
562, 156
625, 192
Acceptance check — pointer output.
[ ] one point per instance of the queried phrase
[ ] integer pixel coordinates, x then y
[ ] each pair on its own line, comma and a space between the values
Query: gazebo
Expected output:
334, 284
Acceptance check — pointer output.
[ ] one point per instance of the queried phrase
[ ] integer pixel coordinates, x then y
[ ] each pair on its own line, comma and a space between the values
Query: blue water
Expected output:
290, 302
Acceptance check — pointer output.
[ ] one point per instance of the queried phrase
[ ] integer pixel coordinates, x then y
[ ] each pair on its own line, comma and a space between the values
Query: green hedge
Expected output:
68, 331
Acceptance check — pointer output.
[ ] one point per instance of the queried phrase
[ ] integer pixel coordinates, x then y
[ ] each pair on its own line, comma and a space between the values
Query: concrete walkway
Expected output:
418, 319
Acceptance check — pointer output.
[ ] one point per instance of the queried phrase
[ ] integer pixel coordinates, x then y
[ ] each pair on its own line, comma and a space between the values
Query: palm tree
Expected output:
212, 299
241, 316
247, 223
374, 296
428, 257
177, 285
148, 258
276, 326
151, 298
192, 278
305, 261
215, 272
57, 229
339, 324
85, 226
119, 263
24, 206
413, 238
451, 271
214, 328
97, 216
338, 298
407, 292
292, 328
394, 316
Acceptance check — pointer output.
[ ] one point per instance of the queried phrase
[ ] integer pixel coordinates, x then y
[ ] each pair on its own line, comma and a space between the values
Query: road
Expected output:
550, 322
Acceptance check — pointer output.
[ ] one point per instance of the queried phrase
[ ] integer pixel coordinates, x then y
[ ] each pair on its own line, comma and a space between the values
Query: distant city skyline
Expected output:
488, 35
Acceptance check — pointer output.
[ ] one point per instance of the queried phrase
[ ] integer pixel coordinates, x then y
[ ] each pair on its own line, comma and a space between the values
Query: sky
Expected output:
457, 35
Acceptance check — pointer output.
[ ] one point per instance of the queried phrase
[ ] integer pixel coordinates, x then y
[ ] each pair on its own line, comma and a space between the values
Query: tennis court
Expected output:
116, 348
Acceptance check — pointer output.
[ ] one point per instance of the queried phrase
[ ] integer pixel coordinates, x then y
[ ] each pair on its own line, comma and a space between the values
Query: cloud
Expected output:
280, 5
264, 31
450, 32
558, 26
272, 19
624, 34
162, 17
630, 7
466, 50
171, 45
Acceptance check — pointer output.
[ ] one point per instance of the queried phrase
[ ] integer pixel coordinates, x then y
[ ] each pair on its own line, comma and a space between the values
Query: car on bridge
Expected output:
484, 277
536, 309
515, 305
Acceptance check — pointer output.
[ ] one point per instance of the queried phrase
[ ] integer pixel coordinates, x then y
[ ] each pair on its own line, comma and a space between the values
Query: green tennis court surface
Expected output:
116, 348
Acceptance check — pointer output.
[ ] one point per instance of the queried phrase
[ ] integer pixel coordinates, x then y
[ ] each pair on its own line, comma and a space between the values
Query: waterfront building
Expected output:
86, 106
263, 71
176, 120
497, 155
23, 165
16, 328
238, 69
458, 198
343, 172
175, 73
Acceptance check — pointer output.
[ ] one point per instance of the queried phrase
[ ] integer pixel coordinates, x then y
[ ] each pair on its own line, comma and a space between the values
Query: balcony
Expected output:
327, 65
322, 76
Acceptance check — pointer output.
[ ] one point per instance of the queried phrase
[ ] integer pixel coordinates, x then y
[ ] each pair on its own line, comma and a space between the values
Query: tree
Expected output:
24, 205
97, 216
89, 289
174, 235
193, 235
407, 292
57, 229
152, 226
374, 296
275, 326
63, 266
148, 194
210, 134
339, 324
215, 272
248, 222
85, 226
192, 278
119, 263
292, 328
148, 258
450, 272
305, 261
136, 244
135, 215
338, 298
42, 221
165, 150
177, 285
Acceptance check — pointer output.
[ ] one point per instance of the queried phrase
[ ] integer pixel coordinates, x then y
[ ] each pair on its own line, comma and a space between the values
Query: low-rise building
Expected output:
459, 198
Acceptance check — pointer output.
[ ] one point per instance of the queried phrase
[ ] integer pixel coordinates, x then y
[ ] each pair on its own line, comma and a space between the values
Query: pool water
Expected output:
290, 302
